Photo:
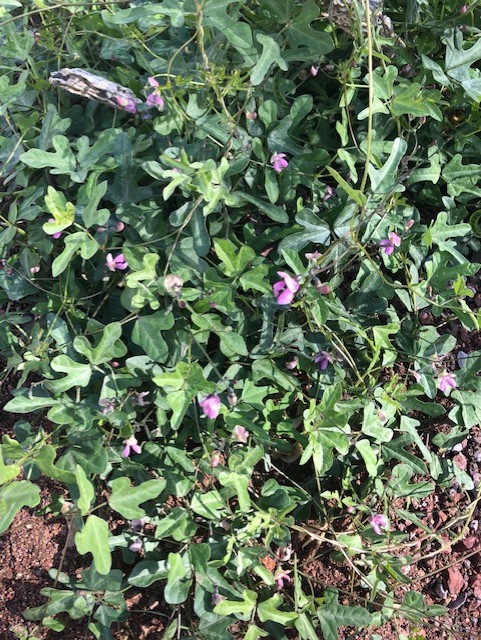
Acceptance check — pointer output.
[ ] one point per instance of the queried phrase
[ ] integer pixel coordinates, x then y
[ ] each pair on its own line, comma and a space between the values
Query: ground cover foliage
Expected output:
231, 299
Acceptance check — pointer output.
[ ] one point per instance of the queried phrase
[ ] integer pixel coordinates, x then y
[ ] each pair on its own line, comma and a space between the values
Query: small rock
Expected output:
460, 600
469, 542
475, 583
455, 580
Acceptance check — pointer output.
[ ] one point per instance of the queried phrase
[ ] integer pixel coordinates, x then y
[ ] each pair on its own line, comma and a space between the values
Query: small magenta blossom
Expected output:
251, 115
137, 524
240, 433
323, 359
388, 244
279, 162
292, 364
131, 444
379, 523
281, 576
285, 289
154, 99
127, 104
136, 546
119, 262
215, 459
314, 70
446, 382
211, 405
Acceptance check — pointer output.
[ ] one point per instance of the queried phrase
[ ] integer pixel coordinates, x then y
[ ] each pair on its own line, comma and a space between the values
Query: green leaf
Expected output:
8, 472
268, 610
108, 347
357, 196
237, 33
146, 572
316, 231
302, 34
384, 180
417, 102
26, 403
179, 579
271, 54
15, 496
44, 458
79, 241
62, 211
94, 539
276, 213
242, 607
62, 161
146, 334
369, 456
78, 375
86, 490
125, 499
395, 449
305, 627
332, 615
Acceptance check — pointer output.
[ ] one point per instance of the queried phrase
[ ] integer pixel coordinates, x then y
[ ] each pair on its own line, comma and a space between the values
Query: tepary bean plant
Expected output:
234, 235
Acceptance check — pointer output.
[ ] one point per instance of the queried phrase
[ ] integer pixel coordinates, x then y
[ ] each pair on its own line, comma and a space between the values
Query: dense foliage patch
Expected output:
234, 293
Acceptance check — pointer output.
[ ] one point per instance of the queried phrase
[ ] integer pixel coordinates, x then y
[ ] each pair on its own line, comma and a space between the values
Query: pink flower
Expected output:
446, 382
120, 226
136, 546
278, 162
282, 576
379, 523
285, 289
251, 115
211, 405
292, 364
127, 104
315, 255
131, 444
215, 459
154, 99
392, 240
119, 262
323, 359
240, 433
35, 269
314, 70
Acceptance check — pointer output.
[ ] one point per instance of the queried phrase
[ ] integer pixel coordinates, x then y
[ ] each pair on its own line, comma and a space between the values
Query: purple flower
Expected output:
292, 364
314, 70
136, 546
285, 289
131, 444
215, 459
323, 359
388, 244
240, 434
119, 262
139, 398
446, 382
251, 115
282, 576
279, 162
379, 523
127, 104
211, 405
154, 99
217, 598
108, 405
137, 524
